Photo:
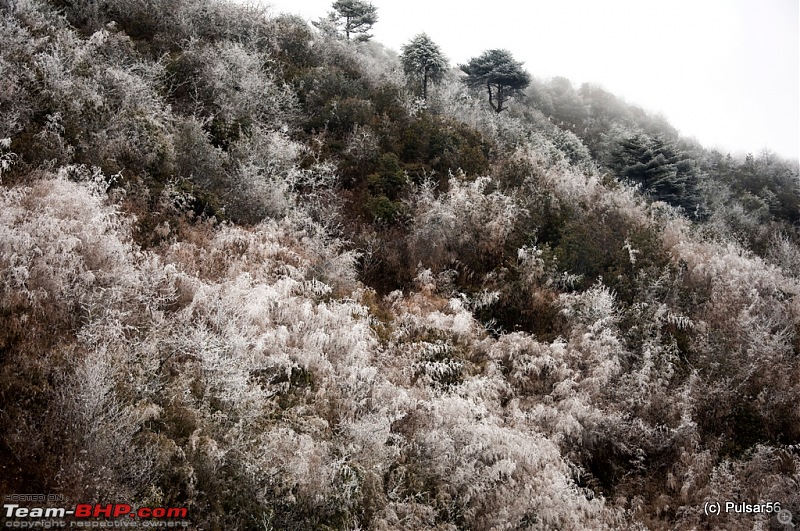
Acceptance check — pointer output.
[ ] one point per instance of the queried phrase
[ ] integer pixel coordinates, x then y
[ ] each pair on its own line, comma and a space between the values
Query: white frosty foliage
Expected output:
466, 217
496, 477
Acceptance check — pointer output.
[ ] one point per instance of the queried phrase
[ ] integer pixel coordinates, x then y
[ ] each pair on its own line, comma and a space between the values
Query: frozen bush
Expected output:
467, 223
242, 90
463, 463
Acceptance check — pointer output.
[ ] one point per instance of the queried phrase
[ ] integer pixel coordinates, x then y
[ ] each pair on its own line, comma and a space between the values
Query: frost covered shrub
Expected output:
19, 46
140, 19
528, 365
232, 85
25, 32
291, 244
437, 319
572, 148
258, 176
458, 461
467, 223
744, 218
375, 64
785, 253
158, 29
756, 295
767, 473
213, 21
749, 323
7, 158
98, 105
236, 88
59, 241
582, 394
258, 339
196, 159
256, 334
292, 43
68, 264
265, 175
245, 91
380, 65
452, 99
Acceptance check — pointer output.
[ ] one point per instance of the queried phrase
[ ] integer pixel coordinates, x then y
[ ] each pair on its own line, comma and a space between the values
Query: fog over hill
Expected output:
725, 72
264, 273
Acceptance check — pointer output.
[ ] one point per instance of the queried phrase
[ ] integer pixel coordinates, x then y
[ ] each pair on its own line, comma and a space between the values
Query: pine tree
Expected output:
354, 17
502, 76
662, 171
423, 61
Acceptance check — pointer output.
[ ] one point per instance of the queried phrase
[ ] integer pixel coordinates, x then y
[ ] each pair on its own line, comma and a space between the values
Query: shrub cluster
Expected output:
246, 271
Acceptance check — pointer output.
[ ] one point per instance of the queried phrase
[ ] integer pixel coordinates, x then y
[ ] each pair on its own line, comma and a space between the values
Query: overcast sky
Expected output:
726, 72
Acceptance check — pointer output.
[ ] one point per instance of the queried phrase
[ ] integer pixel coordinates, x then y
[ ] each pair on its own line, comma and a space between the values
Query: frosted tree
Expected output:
354, 17
423, 61
665, 173
502, 76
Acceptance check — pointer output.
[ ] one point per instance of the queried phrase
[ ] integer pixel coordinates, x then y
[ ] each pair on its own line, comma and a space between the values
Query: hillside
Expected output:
247, 269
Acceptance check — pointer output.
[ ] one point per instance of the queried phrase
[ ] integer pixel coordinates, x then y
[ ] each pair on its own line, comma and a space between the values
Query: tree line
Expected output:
423, 61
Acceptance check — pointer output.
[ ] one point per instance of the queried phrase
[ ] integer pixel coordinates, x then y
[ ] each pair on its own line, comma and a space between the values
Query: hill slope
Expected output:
247, 271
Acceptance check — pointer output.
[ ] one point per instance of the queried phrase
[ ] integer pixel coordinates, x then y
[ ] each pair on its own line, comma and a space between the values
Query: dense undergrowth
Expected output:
246, 271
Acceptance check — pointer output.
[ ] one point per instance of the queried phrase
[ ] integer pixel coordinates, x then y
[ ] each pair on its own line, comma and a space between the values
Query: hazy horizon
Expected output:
726, 73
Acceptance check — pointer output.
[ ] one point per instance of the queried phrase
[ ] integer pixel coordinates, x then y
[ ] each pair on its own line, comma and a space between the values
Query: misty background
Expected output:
726, 72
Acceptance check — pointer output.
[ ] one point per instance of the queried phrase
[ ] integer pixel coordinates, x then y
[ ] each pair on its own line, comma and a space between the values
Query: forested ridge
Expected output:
287, 278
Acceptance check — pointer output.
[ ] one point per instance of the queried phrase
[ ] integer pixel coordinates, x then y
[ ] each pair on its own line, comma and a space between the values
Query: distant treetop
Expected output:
423, 61
499, 73
352, 17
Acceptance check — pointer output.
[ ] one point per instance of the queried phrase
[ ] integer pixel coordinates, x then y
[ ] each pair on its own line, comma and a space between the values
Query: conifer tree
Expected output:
661, 170
355, 17
502, 76
423, 61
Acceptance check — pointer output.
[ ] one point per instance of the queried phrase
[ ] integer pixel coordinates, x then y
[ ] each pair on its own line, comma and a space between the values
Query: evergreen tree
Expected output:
661, 170
499, 73
354, 17
423, 61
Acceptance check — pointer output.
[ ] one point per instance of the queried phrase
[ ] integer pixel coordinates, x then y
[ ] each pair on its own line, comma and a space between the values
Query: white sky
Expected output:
726, 72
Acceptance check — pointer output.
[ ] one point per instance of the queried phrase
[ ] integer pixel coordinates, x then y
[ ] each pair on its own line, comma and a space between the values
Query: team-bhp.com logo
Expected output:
85, 514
